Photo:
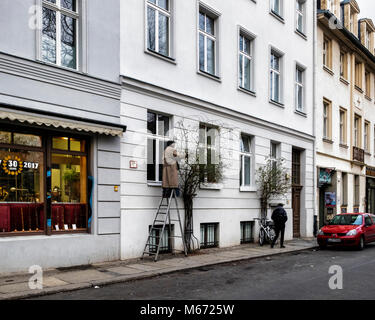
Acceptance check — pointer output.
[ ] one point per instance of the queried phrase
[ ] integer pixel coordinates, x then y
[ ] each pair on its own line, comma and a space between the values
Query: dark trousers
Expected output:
279, 228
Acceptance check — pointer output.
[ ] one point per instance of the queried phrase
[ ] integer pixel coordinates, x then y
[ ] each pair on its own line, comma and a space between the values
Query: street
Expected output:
291, 276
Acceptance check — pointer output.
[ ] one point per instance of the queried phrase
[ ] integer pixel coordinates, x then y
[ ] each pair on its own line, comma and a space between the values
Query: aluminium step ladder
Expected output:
163, 216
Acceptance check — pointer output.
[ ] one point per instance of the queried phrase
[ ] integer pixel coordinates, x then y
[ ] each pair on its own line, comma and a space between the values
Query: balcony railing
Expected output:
358, 154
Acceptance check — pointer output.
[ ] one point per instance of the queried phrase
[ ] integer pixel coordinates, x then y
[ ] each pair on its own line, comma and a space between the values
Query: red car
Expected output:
349, 229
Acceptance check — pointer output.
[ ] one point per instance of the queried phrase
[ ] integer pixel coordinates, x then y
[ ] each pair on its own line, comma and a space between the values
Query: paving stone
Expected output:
144, 267
82, 276
17, 287
124, 270
53, 282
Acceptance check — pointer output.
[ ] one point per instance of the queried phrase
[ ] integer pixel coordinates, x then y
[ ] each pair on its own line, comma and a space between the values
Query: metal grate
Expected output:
209, 236
247, 231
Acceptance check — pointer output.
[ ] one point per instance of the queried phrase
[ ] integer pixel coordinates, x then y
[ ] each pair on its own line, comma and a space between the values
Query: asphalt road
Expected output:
294, 276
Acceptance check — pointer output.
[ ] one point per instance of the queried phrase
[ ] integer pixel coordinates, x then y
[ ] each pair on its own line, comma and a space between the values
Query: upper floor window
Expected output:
60, 21
245, 66
158, 134
327, 53
246, 161
367, 136
300, 15
357, 131
276, 7
299, 86
343, 65
358, 74
327, 124
209, 152
368, 40
207, 42
158, 26
275, 77
343, 127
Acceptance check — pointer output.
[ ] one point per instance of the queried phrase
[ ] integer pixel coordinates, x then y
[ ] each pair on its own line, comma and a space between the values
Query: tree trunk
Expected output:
188, 203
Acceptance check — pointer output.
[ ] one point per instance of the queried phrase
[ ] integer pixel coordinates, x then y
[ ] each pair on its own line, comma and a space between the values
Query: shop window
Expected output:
21, 186
69, 186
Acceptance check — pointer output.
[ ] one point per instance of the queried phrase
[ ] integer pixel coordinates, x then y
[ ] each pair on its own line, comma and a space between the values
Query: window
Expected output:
247, 231
274, 146
207, 43
209, 152
296, 167
356, 190
342, 127
327, 120
351, 23
245, 67
367, 136
209, 235
331, 6
158, 26
276, 7
300, 16
69, 185
246, 162
357, 131
299, 87
368, 84
158, 134
344, 189
327, 53
343, 65
358, 74
165, 245
368, 39
275, 77
60, 32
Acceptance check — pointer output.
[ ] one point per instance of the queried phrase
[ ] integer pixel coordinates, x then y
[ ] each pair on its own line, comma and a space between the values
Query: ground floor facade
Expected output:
225, 210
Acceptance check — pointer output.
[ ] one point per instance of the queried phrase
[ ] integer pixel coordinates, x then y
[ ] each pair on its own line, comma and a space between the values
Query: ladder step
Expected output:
158, 220
151, 253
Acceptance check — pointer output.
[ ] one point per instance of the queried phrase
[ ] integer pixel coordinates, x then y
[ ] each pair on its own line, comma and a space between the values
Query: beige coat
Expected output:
170, 171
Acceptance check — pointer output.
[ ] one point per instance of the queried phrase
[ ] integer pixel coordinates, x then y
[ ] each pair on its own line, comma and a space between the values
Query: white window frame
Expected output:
357, 131
342, 120
158, 138
212, 148
300, 85
273, 73
325, 52
244, 55
167, 13
202, 8
275, 157
367, 39
250, 155
326, 107
80, 6
302, 14
281, 8
366, 137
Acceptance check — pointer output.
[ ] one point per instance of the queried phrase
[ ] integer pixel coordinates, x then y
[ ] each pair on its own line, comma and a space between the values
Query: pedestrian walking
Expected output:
170, 169
279, 218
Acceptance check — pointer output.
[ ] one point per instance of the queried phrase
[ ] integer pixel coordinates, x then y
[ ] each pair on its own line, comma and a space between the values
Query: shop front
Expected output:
370, 190
327, 195
44, 183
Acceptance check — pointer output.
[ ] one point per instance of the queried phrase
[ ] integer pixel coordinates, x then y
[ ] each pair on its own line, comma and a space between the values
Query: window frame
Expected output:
79, 16
344, 65
243, 55
243, 226
158, 138
343, 126
303, 15
251, 155
279, 73
327, 53
169, 14
298, 85
204, 244
366, 136
280, 13
327, 119
357, 127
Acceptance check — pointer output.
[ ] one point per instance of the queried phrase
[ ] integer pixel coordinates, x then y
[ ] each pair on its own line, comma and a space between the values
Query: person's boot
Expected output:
282, 246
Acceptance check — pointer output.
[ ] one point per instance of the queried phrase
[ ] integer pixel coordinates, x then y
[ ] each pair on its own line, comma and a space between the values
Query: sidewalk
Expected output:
75, 278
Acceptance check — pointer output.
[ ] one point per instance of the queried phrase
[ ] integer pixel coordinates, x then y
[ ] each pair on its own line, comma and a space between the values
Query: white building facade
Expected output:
243, 70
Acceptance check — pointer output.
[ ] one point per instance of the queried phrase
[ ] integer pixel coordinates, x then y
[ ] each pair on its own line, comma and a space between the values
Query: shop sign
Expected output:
370, 171
15, 166
330, 199
325, 176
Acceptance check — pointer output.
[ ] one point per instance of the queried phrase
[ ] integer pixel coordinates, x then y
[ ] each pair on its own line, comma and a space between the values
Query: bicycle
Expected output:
266, 231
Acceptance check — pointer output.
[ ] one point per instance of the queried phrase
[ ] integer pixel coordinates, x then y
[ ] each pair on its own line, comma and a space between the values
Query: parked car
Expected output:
349, 229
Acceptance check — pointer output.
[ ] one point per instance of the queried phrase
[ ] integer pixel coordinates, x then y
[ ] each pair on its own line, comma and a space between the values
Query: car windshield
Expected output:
347, 219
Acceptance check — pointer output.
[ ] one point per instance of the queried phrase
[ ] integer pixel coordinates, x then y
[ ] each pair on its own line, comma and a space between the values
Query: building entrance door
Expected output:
296, 192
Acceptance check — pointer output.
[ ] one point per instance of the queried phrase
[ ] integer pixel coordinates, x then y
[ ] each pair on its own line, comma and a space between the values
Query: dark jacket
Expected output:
279, 216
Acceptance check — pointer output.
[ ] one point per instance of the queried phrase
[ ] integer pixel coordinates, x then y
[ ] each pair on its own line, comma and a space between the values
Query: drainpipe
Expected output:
315, 43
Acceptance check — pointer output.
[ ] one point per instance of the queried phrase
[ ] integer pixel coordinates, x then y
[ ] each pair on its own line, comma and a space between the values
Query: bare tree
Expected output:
273, 181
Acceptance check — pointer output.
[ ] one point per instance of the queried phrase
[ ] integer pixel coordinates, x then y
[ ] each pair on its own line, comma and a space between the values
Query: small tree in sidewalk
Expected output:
273, 181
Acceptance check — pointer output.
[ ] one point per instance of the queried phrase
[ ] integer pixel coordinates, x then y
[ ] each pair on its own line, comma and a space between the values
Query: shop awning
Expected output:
64, 122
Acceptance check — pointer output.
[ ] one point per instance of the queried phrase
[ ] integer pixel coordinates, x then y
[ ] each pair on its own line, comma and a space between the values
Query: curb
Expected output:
129, 278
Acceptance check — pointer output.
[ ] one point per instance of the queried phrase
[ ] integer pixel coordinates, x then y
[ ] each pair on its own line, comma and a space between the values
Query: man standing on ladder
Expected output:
170, 170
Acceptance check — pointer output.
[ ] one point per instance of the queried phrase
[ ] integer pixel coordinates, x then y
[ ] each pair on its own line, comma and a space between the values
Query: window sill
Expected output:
60, 67
301, 34
211, 186
277, 16
252, 93
279, 104
209, 75
368, 98
326, 140
344, 81
161, 56
358, 88
327, 69
344, 146
154, 184
367, 153
248, 189
301, 113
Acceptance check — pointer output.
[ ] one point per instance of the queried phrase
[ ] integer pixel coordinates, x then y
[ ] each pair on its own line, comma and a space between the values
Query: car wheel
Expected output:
261, 237
361, 244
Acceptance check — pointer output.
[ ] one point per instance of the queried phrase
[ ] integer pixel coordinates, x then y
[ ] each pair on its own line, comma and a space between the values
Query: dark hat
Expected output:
170, 142
280, 205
